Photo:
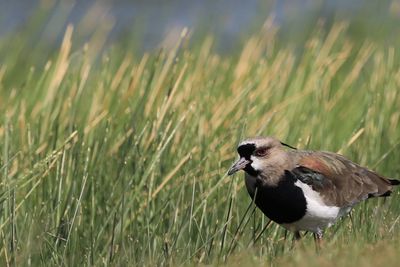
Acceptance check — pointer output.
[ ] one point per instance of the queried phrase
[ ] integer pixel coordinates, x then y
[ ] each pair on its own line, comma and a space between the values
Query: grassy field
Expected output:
108, 158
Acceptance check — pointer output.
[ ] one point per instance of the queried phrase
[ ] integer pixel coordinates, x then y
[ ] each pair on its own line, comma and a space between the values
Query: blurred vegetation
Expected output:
111, 157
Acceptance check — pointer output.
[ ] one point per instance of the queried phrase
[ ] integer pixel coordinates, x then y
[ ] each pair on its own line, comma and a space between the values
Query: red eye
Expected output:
261, 152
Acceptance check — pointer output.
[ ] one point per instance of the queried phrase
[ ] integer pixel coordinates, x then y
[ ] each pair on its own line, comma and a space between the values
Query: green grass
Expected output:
115, 159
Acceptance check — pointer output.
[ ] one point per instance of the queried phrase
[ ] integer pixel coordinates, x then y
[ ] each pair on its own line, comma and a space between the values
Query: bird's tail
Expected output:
394, 181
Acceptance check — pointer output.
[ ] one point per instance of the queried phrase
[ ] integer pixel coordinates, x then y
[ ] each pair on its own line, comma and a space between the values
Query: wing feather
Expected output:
339, 181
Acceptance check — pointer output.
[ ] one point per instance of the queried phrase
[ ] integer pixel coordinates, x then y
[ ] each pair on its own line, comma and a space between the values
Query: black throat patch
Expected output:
284, 203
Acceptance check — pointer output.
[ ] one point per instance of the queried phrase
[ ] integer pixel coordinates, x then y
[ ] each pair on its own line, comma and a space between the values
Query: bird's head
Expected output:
260, 155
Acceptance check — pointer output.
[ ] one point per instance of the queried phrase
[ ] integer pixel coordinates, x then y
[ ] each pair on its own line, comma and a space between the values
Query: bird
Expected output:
304, 190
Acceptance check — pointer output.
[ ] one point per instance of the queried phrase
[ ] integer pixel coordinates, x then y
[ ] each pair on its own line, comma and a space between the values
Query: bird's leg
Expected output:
296, 239
318, 240
297, 236
352, 222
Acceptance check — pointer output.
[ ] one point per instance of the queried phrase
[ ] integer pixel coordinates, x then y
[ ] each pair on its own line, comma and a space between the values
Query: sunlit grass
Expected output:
112, 159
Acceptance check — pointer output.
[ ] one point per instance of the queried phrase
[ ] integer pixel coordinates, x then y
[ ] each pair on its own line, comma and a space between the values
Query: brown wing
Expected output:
343, 183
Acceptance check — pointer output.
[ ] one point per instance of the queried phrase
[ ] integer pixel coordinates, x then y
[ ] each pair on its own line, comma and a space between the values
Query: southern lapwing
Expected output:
305, 190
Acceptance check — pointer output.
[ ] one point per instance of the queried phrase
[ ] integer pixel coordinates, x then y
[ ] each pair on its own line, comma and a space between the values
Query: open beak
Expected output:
238, 165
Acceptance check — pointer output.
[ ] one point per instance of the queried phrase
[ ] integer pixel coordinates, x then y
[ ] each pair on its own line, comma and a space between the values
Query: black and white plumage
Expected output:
305, 190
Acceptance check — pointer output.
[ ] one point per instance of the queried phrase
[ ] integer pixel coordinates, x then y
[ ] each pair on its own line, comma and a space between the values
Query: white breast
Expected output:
318, 215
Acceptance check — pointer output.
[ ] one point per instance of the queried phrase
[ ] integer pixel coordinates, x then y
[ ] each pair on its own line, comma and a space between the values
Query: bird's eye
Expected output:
261, 152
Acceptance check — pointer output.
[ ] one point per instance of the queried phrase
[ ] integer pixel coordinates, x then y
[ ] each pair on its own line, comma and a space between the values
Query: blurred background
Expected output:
119, 121
144, 25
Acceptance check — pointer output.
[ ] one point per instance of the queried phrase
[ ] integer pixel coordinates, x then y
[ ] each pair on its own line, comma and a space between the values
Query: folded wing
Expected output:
339, 181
